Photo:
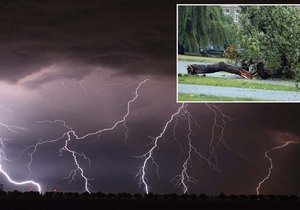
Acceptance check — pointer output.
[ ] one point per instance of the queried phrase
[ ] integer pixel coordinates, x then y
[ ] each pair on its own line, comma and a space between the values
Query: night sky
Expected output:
80, 61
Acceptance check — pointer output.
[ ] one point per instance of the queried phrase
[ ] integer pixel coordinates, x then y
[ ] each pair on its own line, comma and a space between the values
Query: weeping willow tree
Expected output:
200, 26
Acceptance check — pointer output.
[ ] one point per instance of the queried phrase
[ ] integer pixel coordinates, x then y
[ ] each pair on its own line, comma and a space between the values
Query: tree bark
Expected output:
221, 66
262, 72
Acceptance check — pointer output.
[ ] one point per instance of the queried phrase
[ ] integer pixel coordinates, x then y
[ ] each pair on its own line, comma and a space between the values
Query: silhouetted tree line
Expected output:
150, 196
99, 200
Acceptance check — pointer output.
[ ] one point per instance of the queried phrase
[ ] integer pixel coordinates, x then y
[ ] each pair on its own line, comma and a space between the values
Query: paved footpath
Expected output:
267, 95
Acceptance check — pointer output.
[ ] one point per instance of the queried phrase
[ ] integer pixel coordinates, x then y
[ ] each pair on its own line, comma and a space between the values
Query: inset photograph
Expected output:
238, 53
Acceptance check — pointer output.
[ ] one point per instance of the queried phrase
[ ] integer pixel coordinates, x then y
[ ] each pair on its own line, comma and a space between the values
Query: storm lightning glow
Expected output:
185, 176
121, 121
37, 185
219, 123
183, 179
66, 137
70, 134
216, 125
148, 156
285, 144
3, 142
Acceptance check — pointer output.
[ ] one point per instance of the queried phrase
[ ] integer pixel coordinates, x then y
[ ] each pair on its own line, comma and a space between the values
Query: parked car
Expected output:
212, 51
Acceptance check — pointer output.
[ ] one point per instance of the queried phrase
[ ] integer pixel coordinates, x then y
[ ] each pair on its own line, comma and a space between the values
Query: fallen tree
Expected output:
217, 67
221, 66
262, 72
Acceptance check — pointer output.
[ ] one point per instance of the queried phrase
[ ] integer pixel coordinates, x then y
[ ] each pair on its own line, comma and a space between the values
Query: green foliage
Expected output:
199, 26
271, 34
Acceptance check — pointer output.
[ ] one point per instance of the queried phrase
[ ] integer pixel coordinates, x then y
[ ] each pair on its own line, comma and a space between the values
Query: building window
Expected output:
226, 11
237, 16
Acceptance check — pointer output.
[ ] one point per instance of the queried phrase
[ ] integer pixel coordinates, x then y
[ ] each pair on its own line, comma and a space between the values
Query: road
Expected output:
265, 95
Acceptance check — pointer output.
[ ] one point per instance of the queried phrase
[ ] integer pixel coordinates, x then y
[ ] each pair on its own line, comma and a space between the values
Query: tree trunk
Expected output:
262, 72
221, 66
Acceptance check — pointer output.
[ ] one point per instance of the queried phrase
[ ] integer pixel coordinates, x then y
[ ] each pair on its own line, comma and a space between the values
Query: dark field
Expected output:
74, 201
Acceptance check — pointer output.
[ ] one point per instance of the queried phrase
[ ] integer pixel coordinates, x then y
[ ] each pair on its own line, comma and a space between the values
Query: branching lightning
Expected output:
285, 144
66, 137
70, 134
220, 120
212, 155
121, 121
184, 178
3, 142
148, 156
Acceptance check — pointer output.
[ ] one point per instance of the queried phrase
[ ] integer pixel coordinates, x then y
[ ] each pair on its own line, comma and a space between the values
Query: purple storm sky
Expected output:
61, 59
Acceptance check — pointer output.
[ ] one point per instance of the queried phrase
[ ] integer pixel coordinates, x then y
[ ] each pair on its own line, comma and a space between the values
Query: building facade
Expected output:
233, 10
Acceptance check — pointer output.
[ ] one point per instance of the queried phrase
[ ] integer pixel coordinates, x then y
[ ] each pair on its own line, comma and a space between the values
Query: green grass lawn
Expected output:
203, 97
201, 59
241, 83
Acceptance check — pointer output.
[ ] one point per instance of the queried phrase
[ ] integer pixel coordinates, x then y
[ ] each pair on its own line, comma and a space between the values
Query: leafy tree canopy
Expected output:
271, 34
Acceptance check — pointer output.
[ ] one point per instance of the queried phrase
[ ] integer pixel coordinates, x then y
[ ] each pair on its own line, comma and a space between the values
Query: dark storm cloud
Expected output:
272, 116
35, 34
57, 48
131, 37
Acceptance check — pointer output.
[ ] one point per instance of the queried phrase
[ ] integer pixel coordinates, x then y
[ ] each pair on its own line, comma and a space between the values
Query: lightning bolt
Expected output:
219, 122
121, 121
71, 134
11, 128
20, 183
285, 144
66, 137
148, 156
184, 178
3, 142
215, 125
174, 135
